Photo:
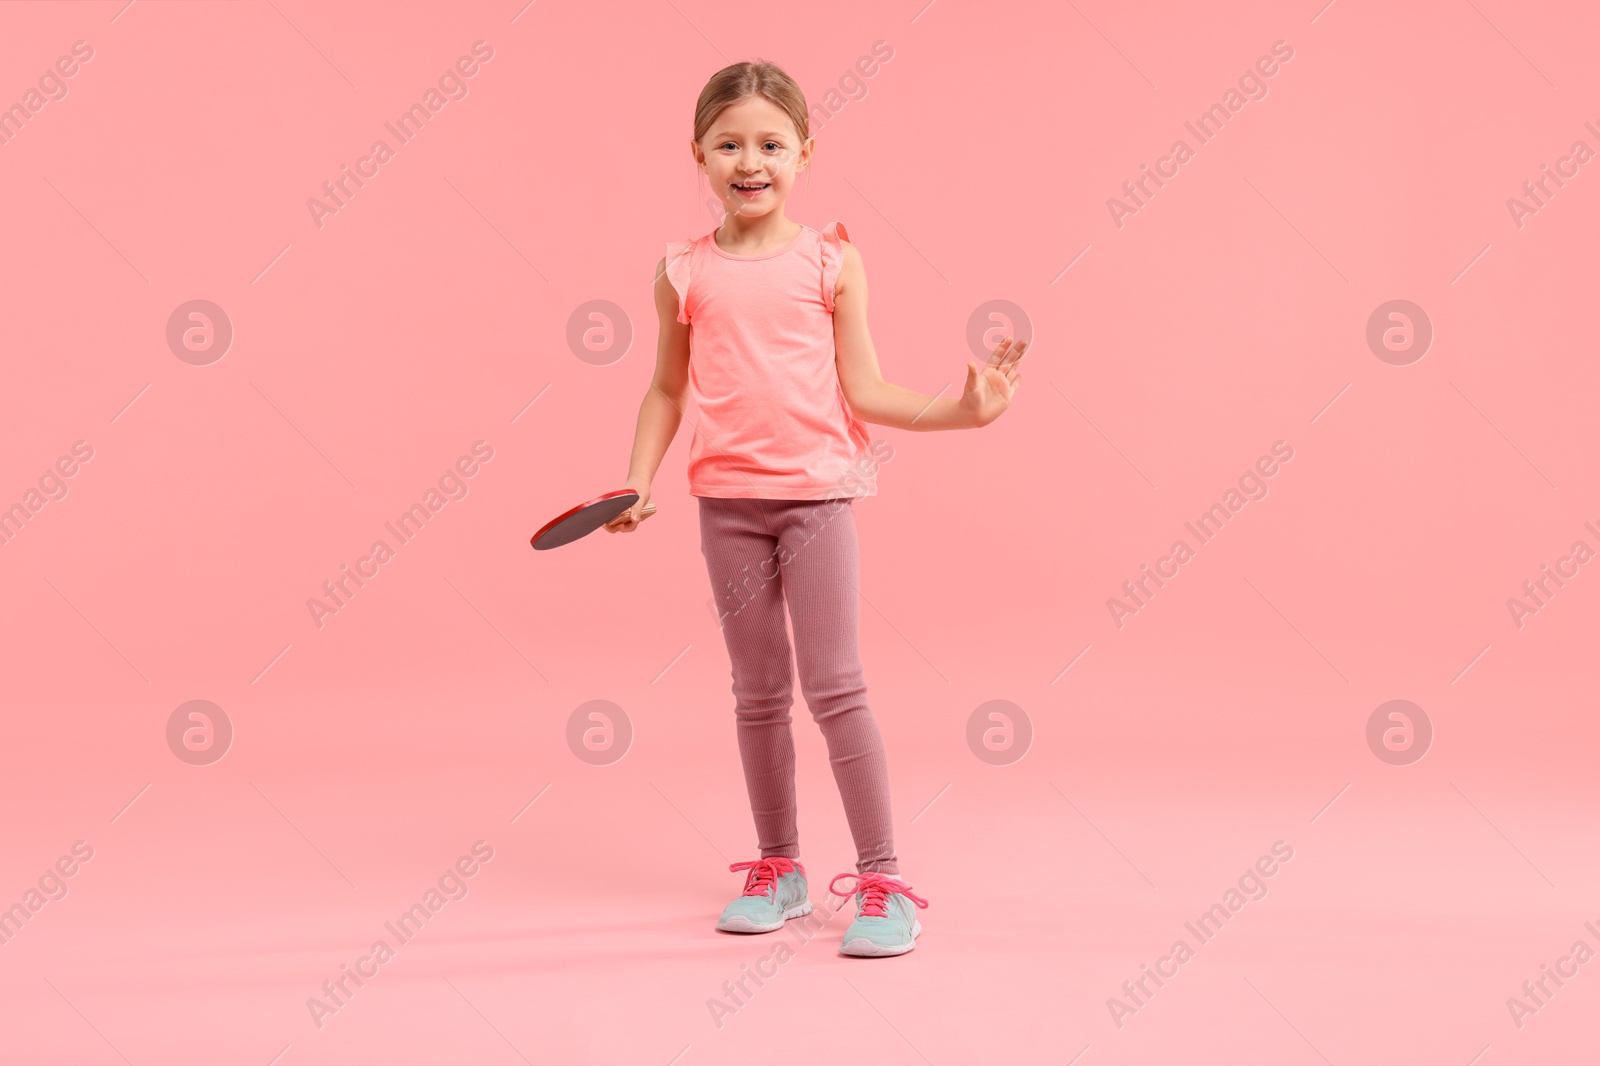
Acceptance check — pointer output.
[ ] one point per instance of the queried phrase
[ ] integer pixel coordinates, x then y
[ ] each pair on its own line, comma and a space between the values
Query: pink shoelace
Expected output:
875, 889
764, 873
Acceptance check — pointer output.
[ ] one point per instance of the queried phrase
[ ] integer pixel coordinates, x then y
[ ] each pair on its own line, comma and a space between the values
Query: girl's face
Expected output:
752, 155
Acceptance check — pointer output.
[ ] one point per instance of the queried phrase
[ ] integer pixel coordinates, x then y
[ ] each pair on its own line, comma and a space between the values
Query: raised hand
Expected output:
991, 388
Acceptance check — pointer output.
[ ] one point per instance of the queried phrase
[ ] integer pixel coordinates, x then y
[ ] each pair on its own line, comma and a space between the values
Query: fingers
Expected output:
629, 520
999, 352
1015, 355
1006, 355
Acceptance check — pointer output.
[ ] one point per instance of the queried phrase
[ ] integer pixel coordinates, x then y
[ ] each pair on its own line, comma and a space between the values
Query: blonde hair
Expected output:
741, 81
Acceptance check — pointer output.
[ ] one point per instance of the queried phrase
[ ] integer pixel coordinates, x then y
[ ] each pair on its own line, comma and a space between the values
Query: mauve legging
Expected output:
760, 552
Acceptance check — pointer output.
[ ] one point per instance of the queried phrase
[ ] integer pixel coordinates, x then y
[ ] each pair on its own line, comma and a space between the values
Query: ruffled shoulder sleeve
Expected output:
832, 259
679, 258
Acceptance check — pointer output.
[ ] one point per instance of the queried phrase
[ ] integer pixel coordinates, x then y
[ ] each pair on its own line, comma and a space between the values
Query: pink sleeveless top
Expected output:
769, 418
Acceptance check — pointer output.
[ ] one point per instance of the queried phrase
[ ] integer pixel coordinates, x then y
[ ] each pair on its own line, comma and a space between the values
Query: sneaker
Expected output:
886, 923
774, 891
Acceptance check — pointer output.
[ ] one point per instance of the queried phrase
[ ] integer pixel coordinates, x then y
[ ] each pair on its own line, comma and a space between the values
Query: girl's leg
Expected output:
747, 592
821, 572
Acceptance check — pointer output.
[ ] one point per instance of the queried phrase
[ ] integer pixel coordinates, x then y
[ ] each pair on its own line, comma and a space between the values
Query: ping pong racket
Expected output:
585, 518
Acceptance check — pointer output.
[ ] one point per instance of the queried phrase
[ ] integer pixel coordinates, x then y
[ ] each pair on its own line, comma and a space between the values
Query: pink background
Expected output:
974, 165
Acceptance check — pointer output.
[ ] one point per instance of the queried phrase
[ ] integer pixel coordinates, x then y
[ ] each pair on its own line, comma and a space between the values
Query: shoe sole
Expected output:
740, 924
867, 949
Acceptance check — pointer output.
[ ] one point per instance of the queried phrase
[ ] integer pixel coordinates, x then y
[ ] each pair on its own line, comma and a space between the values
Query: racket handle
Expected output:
649, 509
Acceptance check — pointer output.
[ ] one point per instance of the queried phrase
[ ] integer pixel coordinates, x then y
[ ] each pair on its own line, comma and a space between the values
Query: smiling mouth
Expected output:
751, 186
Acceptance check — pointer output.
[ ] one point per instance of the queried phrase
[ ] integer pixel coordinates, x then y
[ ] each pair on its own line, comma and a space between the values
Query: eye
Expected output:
773, 144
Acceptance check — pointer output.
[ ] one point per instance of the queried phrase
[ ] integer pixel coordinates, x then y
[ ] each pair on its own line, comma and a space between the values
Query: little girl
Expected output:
764, 329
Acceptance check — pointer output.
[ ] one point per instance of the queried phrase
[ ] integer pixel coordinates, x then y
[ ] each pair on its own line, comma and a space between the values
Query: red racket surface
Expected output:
583, 519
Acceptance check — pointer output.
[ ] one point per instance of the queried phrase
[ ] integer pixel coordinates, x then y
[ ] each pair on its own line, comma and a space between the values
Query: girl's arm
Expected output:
661, 410
987, 394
